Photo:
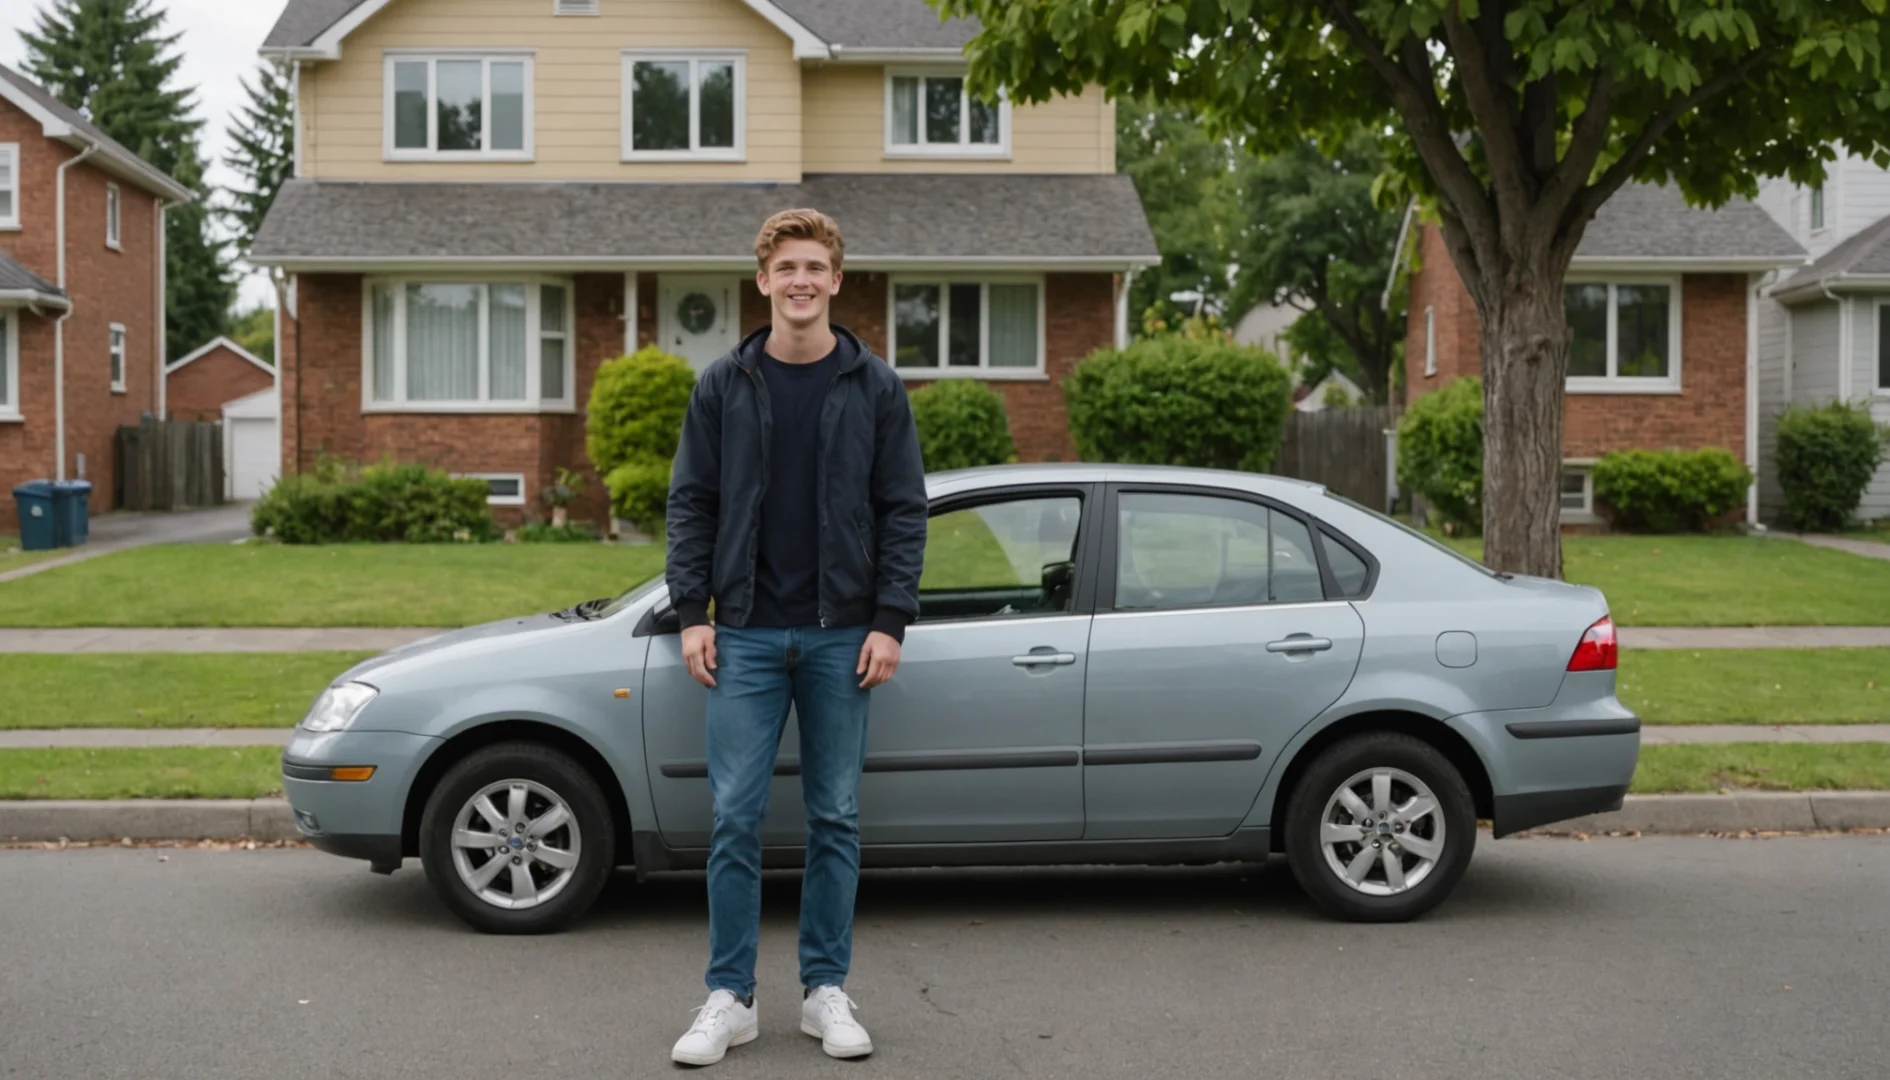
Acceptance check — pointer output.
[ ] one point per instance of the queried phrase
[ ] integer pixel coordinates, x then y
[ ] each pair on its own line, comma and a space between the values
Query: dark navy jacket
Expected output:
871, 488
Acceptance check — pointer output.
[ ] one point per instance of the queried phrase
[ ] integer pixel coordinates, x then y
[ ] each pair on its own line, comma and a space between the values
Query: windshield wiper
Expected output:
588, 610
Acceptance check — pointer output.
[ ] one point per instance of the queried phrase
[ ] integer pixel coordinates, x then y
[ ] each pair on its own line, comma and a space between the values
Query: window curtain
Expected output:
506, 340
905, 110
442, 342
1013, 325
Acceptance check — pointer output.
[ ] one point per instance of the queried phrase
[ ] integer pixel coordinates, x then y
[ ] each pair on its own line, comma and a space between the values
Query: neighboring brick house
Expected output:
90, 317
199, 385
1664, 304
456, 282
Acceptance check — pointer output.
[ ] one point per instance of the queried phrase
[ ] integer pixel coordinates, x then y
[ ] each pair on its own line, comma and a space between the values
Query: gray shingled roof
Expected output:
885, 215
851, 24
42, 97
1868, 252
17, 278
1647, 221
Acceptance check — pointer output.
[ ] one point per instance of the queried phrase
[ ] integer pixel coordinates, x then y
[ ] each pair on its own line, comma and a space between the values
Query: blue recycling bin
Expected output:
72, 511
39, 529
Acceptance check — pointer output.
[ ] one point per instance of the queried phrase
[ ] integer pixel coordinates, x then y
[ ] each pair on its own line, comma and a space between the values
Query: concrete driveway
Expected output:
111, 532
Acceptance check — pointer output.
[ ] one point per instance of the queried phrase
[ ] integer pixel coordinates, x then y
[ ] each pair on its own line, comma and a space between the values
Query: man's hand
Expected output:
879, 658
698, 652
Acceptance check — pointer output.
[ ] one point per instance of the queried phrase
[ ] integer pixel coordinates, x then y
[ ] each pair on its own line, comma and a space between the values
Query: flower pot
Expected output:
559, 515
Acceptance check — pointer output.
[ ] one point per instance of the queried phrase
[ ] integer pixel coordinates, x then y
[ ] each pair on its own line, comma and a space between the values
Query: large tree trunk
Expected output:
1525, 360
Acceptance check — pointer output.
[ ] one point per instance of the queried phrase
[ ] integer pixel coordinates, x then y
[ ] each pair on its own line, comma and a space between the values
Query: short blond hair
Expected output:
799, 225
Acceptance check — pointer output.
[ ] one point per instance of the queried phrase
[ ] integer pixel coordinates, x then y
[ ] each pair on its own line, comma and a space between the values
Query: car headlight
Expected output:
338, 706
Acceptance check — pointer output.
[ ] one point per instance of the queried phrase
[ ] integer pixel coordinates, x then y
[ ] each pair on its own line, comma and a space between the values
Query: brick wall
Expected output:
200, 389
106, 286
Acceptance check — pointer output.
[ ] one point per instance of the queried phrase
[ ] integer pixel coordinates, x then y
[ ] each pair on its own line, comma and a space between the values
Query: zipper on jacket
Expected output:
764, 410
822, 449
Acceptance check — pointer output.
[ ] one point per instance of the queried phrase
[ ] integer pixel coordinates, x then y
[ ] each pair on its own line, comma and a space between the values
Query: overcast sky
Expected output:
219, 43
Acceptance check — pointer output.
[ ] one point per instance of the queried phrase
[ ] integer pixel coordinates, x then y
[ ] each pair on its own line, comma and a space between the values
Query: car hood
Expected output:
505, 633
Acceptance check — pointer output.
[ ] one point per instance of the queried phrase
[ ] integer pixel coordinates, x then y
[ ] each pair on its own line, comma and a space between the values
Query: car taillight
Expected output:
1597, 650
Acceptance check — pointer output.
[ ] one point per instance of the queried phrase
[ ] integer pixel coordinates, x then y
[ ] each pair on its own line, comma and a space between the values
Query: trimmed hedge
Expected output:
1826, 457
381, 503
962, 424
1440, 453
1173, 400
639, 492
1670, 490
634, 422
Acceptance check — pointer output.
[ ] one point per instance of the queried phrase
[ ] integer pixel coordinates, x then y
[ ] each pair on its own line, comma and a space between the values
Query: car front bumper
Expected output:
355, 819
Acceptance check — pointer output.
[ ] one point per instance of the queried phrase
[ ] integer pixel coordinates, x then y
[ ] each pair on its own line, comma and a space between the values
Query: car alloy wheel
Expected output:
1382, 831
516, 844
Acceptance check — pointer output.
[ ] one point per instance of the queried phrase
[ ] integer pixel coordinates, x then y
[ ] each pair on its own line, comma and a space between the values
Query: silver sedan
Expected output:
1112, 664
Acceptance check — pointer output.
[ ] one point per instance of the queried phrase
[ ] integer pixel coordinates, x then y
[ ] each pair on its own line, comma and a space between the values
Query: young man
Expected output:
798, 506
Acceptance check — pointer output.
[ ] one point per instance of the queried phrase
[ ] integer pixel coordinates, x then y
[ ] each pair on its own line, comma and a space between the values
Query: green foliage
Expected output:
1314, 238
382, 503
962, 424
255, 329
1670, 490
1172, 400
1826, 457
1440, 453
1189, 184
636, 409
1336, 396
261, 151
565, 489
543, 532
639, 492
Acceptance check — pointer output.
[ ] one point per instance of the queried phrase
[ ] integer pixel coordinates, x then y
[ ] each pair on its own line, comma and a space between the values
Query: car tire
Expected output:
1381, 876
583, 839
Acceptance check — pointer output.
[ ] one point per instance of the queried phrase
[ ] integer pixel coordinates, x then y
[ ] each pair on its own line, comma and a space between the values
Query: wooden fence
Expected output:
1345, 449
168, 465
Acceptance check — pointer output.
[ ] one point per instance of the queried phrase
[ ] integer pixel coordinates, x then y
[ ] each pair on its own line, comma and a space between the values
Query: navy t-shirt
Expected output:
787, 564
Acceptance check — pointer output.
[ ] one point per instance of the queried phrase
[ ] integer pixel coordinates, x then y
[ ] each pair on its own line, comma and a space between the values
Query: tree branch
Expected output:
1584, 149
1496, 121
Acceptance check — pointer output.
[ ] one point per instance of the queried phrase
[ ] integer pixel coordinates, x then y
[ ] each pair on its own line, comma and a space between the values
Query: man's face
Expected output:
800, 281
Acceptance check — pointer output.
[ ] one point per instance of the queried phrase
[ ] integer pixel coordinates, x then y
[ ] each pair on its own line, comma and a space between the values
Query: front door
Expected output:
1213, 644
698, 316
978, 737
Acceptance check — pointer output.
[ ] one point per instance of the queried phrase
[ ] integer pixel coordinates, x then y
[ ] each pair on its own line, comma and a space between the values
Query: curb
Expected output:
270, 820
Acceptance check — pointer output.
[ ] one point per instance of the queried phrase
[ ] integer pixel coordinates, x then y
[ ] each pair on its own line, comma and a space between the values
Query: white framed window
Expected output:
111, 217
929, 113
1817, 208
118, 358
9, 185
458, 106
574, 7
684, 106
986, 328
1430, 342
1624, 335
9, 364
445, 344
1578, 492
502, 489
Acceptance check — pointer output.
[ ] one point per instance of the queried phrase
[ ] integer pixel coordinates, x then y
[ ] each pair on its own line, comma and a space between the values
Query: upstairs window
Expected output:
9, 185
933, 115
1624, 336
1817, 208
9, 363
682, 107
111, 216
117, 348
459, 107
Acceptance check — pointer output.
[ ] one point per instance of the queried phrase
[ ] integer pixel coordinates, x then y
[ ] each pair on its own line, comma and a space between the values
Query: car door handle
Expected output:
1035, 659
1300, 644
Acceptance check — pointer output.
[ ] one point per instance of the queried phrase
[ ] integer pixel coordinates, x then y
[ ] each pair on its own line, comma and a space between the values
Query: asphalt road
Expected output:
1630, 958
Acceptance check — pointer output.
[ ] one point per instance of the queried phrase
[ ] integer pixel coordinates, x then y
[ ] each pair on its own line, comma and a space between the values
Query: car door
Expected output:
1213, 643
978, 738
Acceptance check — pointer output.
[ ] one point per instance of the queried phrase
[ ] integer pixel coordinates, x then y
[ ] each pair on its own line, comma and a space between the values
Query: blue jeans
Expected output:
760, 671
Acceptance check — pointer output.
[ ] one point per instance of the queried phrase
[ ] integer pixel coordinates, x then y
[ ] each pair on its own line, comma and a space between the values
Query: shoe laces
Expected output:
710, 1013
836, 1005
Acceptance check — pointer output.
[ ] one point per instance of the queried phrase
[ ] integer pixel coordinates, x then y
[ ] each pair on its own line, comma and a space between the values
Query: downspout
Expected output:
1759, 283
1844, 335
59, 325
1122, 307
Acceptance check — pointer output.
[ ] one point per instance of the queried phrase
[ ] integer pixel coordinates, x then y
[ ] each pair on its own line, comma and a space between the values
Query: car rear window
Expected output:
1432, 541
1348, 569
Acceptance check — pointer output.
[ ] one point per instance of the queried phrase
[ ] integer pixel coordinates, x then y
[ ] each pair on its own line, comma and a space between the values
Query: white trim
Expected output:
10, 152
114, 217
1790, 360
225, 342
1612, 383
1586, 515
116, 350
894, 55
498, 500
534, 382
432, 57
963, 148
10, 367
807, 45
1124, 283
577, 7
692, 57
1430, 341
567, 264
984, 370
1752, 397
34, 299
295, 118
1398, 258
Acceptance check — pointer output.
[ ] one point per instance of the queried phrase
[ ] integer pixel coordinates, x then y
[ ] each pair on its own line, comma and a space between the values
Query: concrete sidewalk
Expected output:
126, 530
1655, 735
377, 639
1869, 549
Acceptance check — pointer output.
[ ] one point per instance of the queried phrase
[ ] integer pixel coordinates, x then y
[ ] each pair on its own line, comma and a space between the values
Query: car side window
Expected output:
1015, 557
1347, 568
1186, 551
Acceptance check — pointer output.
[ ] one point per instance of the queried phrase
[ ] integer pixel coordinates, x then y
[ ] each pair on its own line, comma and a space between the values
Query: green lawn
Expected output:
343, 585
12, 558
164, 773
1757, 686
1725, 580
1764, 767
165, 690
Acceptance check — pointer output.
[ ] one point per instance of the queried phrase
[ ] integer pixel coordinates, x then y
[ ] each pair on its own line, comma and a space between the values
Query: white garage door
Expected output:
254, 453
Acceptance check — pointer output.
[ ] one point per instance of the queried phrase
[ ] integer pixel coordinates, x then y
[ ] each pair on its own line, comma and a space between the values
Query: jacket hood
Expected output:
853, 351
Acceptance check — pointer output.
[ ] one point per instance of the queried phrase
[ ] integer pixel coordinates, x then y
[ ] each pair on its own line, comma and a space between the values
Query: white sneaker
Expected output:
720, 1023
827, 1015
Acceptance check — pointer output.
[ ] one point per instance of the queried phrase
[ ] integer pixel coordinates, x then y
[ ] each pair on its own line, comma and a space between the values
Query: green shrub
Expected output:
1440, 453
636, 409
1670, 490
544, 532
1826, 457
380, 504
639, 492
1173, 400
962, 425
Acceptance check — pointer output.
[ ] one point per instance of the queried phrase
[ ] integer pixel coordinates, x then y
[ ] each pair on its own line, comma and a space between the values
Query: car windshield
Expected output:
628, 597
1419, 533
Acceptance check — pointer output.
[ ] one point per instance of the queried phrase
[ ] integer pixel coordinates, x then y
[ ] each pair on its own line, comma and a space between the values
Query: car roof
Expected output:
960, 480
